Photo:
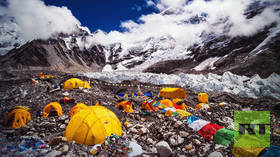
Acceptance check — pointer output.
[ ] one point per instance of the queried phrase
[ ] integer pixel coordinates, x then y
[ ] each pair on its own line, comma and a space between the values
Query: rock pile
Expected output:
158, 135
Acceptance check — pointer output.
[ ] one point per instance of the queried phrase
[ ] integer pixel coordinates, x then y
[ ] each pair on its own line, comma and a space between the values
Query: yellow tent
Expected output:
166, 102
202, 97
77, 108
18, 117
53, 105
75, 83
173, 93
91, 126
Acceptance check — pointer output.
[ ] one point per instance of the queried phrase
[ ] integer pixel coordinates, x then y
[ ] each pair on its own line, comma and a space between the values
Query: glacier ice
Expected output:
254, 87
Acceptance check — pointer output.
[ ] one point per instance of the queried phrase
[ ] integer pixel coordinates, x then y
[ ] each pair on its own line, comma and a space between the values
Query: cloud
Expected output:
150, 3
185, 21
36, 20
164, 4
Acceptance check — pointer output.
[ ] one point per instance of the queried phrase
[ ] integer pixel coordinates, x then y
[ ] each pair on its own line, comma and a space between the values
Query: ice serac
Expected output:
253, 87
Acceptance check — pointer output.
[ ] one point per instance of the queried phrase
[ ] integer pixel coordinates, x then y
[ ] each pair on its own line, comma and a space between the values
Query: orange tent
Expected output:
53, 105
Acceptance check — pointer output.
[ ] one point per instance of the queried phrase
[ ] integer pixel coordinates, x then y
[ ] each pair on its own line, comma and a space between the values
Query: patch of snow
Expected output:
208, 63
107, 67
162, 55
253, 87
259, 49
121, 67
134, 59
80, 43
9, 35
67, 42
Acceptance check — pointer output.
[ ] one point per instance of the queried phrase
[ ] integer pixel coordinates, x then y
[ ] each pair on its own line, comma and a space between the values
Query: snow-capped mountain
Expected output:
65, 53
9, 38
214, 51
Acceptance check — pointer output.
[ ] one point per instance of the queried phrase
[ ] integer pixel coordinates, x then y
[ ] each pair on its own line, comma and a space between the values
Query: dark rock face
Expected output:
53, 55
235, 56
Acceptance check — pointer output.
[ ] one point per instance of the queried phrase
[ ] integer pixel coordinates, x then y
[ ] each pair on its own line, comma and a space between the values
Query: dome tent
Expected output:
174, 93
17, 117
77, 108
125, 106
75, 83
91, 126
202, 97
53, 105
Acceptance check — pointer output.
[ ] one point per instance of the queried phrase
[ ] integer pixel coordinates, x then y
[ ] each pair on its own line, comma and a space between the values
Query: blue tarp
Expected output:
144, 94
192, 119
273, 151
120, 94
148, 94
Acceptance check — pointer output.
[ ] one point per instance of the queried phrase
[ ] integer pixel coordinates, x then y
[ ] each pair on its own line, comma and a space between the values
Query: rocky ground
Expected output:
148, 130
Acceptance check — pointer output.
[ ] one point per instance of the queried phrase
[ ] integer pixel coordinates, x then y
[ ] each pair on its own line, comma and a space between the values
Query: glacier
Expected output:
243, 86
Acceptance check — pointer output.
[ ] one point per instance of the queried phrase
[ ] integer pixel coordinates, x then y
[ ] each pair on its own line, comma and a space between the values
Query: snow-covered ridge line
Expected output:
254, 87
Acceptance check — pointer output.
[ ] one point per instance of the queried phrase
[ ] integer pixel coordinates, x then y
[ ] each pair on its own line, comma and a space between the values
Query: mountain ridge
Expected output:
215, 52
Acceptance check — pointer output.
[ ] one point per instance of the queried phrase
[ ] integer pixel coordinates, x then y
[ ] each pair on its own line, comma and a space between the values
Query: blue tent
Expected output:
273, 151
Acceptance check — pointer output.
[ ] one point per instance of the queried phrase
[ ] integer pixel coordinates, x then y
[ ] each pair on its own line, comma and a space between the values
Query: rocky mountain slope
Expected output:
258, 54
216, 52
54, 55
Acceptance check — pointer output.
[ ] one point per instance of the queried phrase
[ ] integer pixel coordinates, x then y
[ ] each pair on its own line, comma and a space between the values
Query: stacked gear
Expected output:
114, 145
91, 126
67, 100
150, 105
202, 106
52, 106
18, 117
43, 76
208, 130
181, 103
125, 106
77, 108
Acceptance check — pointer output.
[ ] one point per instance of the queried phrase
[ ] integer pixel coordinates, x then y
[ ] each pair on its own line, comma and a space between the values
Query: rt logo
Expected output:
252, 128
